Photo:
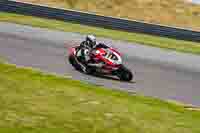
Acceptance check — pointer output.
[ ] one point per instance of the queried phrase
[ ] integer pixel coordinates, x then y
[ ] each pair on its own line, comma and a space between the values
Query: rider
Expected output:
86, 47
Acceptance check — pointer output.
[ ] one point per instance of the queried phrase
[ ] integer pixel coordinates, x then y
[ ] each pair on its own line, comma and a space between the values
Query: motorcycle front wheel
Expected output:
125, 74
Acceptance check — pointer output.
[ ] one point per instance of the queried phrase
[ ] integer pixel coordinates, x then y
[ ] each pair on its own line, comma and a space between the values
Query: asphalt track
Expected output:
159, 73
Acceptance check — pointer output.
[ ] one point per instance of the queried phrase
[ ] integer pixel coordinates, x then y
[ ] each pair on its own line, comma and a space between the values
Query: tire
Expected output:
73, 62
89, 70
125, 74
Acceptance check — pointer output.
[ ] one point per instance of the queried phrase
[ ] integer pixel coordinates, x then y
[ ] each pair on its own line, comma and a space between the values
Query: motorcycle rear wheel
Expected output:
77, 66
73, 62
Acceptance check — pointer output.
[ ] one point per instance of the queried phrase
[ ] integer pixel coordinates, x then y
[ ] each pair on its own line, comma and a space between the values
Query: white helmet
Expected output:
91, 39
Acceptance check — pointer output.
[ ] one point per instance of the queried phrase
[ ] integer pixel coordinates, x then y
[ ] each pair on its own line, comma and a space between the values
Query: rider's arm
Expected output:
101, 45
82, 44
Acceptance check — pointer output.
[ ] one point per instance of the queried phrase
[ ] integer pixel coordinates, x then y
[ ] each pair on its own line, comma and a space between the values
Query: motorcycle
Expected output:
109, 58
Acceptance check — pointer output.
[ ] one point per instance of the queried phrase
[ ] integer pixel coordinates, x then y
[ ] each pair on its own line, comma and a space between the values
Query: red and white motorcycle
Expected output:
111, 63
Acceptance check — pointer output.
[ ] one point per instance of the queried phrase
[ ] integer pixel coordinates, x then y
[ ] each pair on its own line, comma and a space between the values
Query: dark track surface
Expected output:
46, 50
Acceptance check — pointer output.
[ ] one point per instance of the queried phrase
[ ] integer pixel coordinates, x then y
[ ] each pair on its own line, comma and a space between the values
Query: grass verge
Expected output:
181, 13
178, 45
32, 101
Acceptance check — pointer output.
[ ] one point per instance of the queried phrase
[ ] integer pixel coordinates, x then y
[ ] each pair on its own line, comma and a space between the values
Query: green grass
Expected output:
36, 102
179, 13
166, 43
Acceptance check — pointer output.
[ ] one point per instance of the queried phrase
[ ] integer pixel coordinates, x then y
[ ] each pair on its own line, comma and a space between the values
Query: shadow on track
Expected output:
108, 77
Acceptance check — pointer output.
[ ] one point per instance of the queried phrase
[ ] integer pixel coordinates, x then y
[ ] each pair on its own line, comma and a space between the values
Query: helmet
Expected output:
91, 40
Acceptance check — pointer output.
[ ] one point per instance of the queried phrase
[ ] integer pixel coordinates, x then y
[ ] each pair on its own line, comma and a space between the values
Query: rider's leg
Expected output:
80, 55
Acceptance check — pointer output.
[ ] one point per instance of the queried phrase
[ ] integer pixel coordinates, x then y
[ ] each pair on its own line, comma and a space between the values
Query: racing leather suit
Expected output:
84, 54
